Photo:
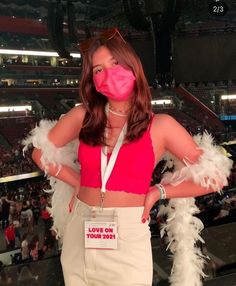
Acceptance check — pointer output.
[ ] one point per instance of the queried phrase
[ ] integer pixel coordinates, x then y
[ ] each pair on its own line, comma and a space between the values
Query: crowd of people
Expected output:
13, 162
26, 228
26, 221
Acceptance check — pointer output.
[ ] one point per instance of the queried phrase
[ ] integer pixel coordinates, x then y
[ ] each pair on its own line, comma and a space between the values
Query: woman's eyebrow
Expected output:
96, 66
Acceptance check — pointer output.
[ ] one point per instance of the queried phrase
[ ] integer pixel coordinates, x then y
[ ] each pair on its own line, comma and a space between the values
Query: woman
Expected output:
34, 248
24, 248
106, 238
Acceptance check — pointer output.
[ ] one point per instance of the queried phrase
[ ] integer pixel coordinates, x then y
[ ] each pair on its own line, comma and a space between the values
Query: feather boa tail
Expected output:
183, 230
182, 227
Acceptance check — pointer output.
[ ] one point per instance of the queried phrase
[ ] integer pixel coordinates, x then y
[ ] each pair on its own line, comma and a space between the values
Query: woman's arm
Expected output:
188, 181
66, 130
65, 174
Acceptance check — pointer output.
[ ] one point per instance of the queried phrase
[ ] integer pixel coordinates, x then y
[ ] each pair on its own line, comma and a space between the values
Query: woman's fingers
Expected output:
151, 198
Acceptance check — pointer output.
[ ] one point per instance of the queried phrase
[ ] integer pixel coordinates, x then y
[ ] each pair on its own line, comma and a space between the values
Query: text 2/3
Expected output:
218, 8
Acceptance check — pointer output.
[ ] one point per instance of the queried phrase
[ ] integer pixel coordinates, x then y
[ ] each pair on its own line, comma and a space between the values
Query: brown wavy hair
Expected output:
95, 119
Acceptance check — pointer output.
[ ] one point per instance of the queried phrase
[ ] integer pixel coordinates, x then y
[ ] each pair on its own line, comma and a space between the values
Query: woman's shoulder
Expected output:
76, 112
68, 127
166, 126
163, 119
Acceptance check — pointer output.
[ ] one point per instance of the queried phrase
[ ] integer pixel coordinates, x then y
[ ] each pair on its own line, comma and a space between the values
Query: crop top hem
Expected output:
108, 190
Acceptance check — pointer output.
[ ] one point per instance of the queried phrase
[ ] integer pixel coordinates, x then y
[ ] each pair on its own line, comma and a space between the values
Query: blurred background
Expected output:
188, 50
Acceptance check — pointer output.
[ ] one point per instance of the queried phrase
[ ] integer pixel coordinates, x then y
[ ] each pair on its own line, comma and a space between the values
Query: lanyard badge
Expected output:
106, 169
100, 235
103, 234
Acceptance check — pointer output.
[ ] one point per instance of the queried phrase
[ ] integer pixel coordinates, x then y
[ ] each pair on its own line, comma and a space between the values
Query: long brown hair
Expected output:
95, 119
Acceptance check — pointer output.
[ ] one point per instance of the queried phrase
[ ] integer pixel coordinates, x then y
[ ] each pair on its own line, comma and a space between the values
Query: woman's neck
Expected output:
116, 118
121, 108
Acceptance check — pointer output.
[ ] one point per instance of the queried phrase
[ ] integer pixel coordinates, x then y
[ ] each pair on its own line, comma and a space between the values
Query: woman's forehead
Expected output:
101, 54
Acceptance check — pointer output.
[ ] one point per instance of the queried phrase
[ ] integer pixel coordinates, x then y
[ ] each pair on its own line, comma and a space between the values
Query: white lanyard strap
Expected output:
106, 169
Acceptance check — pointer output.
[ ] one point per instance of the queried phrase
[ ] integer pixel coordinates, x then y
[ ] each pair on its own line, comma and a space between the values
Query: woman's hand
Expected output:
73, 198
152, 197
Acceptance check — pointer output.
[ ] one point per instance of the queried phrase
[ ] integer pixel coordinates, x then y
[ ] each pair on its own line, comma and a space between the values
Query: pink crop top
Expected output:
132, 171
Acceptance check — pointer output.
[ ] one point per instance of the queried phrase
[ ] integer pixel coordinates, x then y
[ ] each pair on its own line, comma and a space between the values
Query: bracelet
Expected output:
162, 191
58, 170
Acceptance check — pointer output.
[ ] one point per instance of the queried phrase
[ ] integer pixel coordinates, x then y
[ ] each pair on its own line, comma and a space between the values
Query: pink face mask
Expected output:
116, 83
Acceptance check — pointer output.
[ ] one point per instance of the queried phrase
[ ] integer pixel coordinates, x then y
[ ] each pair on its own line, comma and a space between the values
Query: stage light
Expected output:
161, 101
226, 97
34, 53
15, 108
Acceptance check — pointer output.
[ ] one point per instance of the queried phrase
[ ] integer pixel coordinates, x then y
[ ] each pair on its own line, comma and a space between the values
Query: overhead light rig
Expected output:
55, 25
159, 17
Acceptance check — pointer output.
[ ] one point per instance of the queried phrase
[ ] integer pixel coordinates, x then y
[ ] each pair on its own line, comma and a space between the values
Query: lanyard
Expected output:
106, 169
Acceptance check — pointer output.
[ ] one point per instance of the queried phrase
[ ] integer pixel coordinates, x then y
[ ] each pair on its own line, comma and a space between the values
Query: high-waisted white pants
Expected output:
130, 264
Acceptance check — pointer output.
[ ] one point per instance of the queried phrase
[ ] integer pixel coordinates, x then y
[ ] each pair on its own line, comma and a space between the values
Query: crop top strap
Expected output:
150, 123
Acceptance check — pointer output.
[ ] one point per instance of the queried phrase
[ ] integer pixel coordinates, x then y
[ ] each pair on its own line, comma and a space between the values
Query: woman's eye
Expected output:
114, 63
98, 70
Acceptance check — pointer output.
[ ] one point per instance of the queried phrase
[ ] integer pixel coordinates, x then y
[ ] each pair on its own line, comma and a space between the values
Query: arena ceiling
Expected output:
86, 11
132, 17
106, 13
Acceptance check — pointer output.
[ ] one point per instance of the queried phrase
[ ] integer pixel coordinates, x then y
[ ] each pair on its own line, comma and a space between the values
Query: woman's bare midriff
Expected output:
92, 197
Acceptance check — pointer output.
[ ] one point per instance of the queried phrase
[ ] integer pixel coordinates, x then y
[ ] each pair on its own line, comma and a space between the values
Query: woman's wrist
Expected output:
59, 167
162, 191
66, 174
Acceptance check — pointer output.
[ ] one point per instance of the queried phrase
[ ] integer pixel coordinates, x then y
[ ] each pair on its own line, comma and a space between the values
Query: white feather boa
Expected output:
67, 155
183, 229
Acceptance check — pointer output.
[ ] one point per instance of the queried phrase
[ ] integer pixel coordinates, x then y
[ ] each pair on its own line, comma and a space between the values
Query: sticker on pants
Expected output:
100, 235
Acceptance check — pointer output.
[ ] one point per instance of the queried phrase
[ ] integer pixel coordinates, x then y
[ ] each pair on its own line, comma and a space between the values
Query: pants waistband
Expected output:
127, 213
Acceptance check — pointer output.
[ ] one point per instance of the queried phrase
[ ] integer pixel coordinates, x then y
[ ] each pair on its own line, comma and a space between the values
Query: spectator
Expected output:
5, 211
36, 211
49, 242
10, 236
30, 220
15, 219
43, 201
46, 217
24, 213
24, 248
34, 248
